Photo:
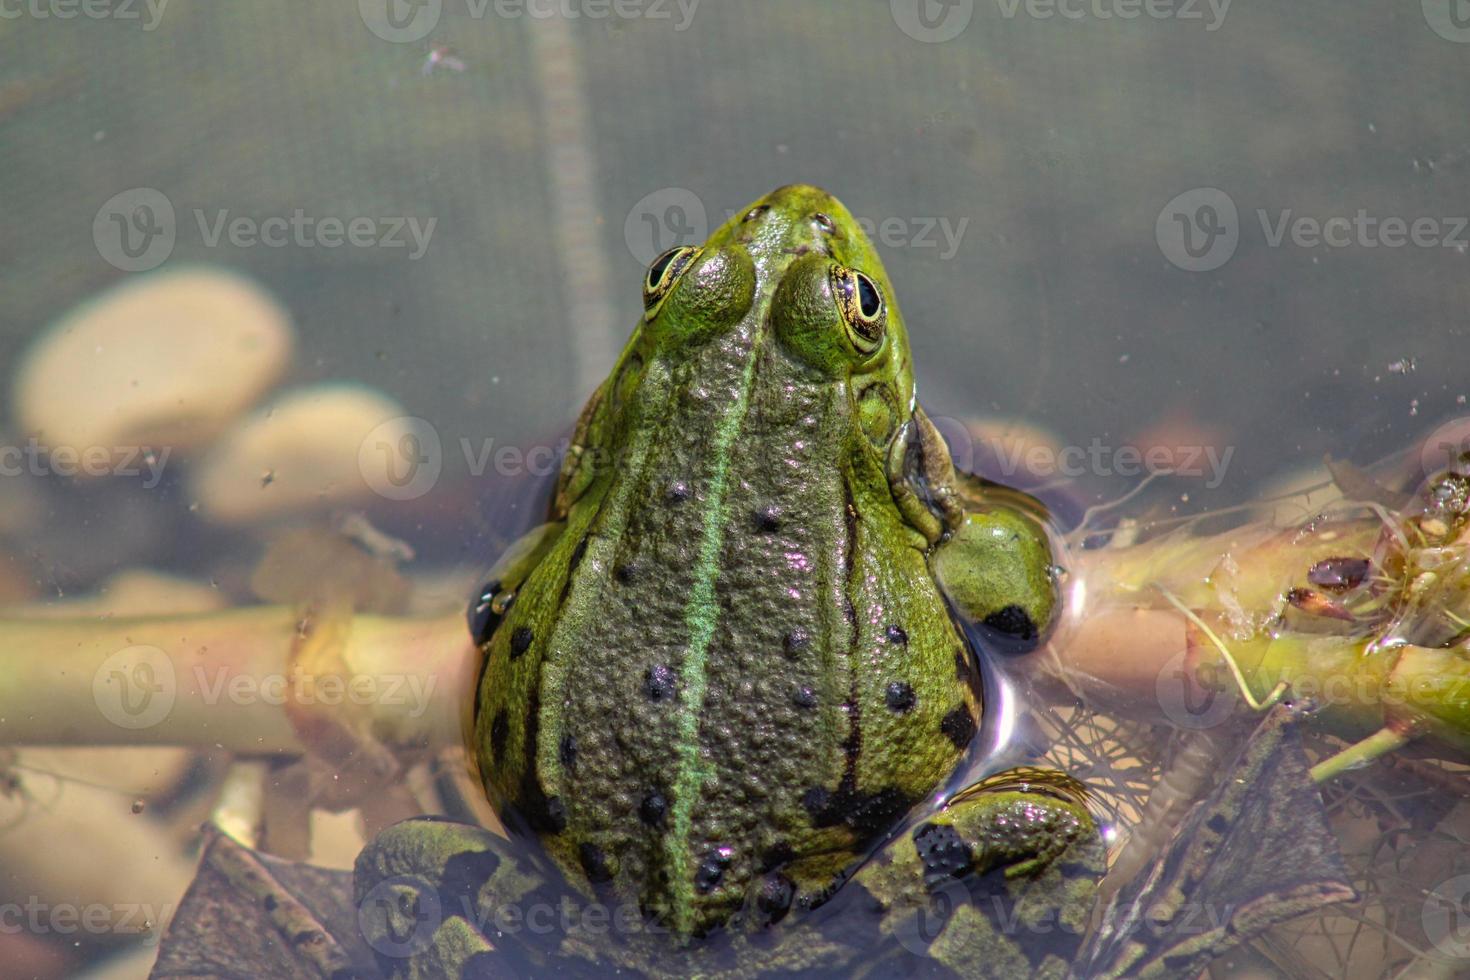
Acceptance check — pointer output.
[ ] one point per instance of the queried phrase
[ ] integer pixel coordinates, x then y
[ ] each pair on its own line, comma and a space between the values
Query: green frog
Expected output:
726, 684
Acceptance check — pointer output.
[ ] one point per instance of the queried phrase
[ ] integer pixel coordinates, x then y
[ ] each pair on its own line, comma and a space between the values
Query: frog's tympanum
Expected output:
725, 686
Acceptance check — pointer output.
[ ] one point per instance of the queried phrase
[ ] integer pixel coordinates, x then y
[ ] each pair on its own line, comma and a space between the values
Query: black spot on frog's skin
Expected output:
465, 874
499, 731
959, 727
678, 491
779, 854
943, 851
483, 618
767, 520
626, 572
651, 811
804, 697
867, 814
897, 635
567, 751
1012, 621
270, 903
899, 697
774, 898
711, 870
796, 641
594, 863
544, 815
520, 640
1218, 823
486, 965
658, 682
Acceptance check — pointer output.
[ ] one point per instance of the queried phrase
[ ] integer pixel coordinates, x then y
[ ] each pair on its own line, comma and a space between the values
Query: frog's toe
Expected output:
422, 888
1000, 882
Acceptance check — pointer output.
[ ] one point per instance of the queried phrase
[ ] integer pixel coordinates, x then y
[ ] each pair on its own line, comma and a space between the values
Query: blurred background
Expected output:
247, 246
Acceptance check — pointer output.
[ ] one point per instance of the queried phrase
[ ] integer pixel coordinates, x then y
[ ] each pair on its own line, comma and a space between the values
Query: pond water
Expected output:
249, 245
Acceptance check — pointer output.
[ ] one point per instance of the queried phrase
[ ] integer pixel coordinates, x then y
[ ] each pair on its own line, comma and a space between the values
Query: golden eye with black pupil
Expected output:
663, 273
863, 311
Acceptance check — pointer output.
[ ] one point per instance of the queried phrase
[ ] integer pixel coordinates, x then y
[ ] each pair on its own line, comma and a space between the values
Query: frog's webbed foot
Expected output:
998, 884
428, 893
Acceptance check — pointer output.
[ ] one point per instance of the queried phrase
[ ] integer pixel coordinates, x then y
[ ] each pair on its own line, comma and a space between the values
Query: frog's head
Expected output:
800, 263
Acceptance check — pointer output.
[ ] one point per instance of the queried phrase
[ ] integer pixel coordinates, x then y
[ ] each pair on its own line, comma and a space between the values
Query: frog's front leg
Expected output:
430, 892
995, 568
1000, 883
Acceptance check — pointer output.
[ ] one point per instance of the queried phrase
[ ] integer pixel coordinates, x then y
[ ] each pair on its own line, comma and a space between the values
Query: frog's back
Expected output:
732, 671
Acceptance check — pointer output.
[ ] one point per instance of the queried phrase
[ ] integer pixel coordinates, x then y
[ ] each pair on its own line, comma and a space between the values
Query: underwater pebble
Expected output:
166, 360
298, 453
132, 592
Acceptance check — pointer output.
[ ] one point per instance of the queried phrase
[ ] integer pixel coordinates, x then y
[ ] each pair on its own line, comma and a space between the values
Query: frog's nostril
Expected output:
756, 212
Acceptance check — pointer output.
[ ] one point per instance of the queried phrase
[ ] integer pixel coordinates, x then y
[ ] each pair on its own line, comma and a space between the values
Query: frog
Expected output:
727, 685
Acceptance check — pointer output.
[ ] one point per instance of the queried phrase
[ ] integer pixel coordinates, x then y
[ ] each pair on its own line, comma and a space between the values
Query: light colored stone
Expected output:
131, 592
299, 453
160, 361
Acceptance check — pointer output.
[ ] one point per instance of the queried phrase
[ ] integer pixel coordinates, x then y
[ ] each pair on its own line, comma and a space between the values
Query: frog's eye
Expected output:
863, 311
663, 273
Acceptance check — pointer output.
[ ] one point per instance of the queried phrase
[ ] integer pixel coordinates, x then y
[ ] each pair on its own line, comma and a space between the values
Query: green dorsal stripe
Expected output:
701, 616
